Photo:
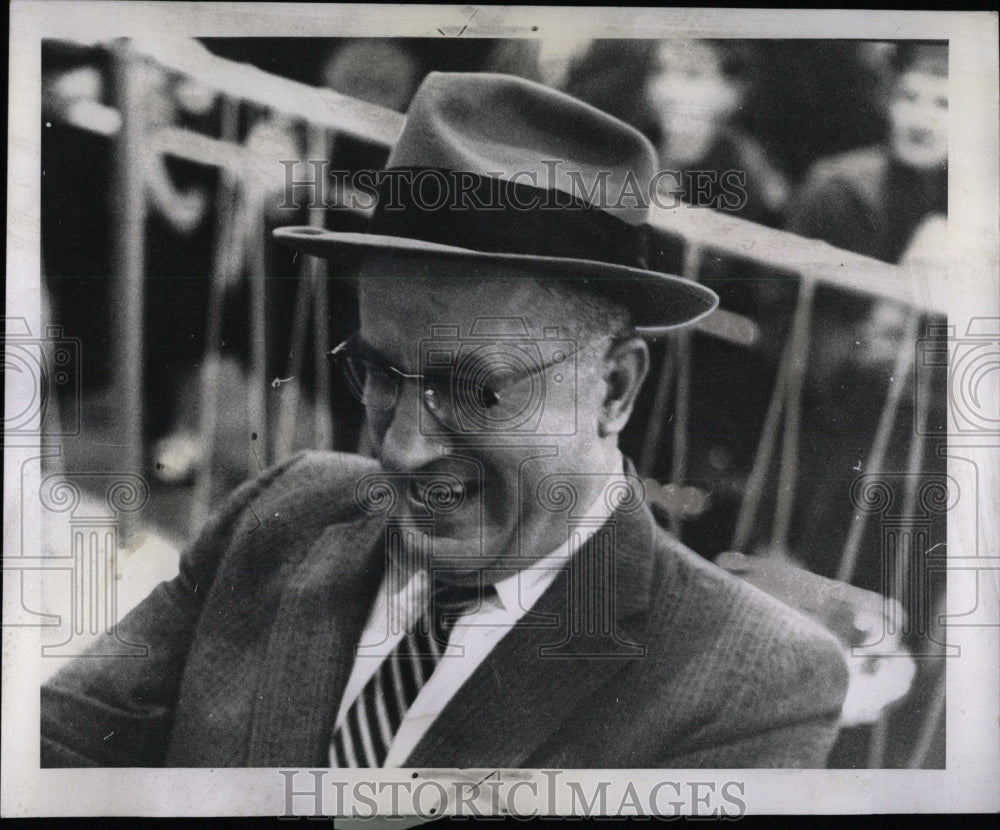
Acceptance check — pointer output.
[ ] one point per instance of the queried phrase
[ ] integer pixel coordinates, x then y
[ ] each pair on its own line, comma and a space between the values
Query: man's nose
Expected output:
404, 444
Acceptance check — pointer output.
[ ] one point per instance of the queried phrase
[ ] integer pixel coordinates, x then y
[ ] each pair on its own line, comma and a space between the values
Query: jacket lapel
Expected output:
555, 658
311, 650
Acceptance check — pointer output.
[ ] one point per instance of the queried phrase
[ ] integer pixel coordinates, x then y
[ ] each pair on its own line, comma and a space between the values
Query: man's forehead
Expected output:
469, 306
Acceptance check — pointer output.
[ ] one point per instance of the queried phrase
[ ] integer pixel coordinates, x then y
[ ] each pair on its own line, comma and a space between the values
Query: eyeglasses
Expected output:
469, 386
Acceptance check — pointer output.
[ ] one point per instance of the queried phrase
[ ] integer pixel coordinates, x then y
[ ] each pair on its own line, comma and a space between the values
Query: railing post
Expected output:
253, 236
876, 457
789, 466
772, 421
129, 265
225, 236
323, 423
319, 145
678, 471
311, 292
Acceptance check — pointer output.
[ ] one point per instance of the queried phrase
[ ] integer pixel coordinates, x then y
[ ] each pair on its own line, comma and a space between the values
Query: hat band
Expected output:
492, 215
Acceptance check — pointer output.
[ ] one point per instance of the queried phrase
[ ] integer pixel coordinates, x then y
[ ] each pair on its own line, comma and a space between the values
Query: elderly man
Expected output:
491, 588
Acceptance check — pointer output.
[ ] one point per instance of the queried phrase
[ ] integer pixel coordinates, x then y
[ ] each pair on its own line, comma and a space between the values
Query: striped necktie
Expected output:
371, 723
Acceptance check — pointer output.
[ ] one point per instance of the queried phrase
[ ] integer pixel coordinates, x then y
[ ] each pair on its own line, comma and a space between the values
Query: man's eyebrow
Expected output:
367, 351
363, 345
471, 365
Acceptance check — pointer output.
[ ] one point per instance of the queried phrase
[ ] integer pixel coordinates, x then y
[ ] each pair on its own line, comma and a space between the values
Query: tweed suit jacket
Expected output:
251, 645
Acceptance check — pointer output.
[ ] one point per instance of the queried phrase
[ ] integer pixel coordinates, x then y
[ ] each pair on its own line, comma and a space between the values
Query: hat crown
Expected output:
508, 128
497, 175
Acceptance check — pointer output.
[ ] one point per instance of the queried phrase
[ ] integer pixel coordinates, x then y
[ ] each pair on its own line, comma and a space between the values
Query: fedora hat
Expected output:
496, 172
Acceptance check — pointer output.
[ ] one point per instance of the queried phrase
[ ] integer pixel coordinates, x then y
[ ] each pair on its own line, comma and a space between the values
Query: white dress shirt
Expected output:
475, 634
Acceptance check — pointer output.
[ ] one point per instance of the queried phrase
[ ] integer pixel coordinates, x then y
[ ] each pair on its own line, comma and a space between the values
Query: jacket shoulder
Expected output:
321, 479
723, 612
741, 658
312, 482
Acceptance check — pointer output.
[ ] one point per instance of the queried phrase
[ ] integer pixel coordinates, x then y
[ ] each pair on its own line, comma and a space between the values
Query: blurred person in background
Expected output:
688, 97
379, 72
696, 90
888, 202
873, 200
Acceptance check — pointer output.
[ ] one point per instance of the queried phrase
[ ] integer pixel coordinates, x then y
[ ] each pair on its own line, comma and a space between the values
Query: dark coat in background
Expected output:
251, 646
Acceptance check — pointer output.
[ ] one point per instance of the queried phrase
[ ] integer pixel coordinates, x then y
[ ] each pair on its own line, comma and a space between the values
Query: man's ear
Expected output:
626, 365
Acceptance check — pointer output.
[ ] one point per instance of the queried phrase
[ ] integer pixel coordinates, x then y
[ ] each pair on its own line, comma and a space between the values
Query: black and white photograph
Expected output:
473, 411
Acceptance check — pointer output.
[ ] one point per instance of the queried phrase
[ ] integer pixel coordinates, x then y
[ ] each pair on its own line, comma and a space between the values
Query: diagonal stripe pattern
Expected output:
365, 736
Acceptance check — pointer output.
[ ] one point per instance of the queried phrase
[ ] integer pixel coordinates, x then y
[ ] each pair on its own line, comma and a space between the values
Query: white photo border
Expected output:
969, 781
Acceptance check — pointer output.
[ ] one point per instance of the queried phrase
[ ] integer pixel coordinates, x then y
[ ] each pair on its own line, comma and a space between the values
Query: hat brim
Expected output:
659, 302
